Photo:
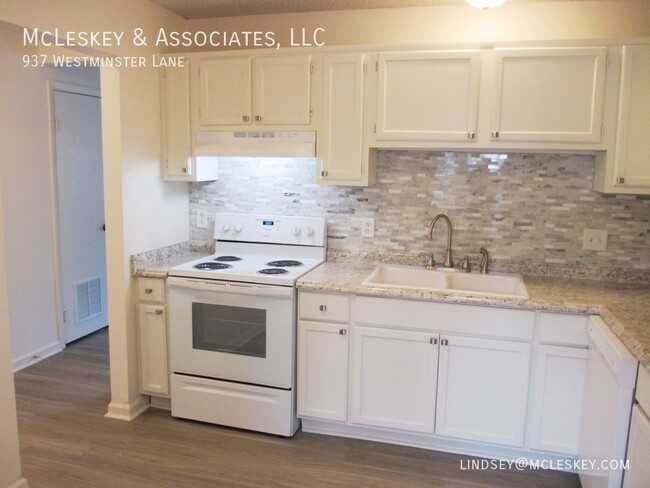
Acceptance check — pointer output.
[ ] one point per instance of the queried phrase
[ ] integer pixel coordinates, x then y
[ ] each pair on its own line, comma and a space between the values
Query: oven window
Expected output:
234, 330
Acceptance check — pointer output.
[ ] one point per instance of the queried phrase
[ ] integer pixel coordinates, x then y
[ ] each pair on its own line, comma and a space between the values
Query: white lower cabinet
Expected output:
393, 378
558, 382
464, 378
323, 370
152, 337
323, 337
483, 389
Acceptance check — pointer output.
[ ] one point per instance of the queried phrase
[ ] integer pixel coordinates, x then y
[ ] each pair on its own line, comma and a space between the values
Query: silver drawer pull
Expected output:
343, 331
155, 312
322, 308
444, 342
148, 291
433, 341
258, 118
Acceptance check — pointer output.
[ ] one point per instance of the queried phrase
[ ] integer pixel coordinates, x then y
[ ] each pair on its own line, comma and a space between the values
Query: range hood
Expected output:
279, 144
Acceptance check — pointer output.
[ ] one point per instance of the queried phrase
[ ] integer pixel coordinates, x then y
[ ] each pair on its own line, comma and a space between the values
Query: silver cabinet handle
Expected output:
245, 118
148, 291
471, 135
323, 174
620, 180
156, 312
495, 134
258, 118
322, 308
343, 332
433, 341
444, 342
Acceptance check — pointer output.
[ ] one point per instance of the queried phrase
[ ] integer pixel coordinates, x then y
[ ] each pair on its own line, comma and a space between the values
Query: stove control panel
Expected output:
272, 229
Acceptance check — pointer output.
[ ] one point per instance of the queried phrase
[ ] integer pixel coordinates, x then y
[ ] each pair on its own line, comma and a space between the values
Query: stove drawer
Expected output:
324, 307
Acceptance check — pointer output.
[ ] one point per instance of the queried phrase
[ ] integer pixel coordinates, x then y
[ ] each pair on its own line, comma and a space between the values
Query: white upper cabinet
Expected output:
282, 90
344, 161
428, 96
225, 91
632, 156
179, 162
245, 91
552, 95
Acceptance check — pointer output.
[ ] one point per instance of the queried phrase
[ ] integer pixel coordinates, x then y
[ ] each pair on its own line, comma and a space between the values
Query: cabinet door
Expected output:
558, 385
340, 140
176, 121
393, 378
638, 451
322, 370
549, 95
632, 148
482, 389
152, 337
225, 91
282, 90
428, 96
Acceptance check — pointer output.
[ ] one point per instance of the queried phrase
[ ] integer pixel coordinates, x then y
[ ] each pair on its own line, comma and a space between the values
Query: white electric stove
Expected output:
232, 319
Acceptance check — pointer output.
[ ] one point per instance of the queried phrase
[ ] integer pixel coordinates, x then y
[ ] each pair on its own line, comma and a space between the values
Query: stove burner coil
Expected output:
212, 266
286, 263
227, 259
272, 271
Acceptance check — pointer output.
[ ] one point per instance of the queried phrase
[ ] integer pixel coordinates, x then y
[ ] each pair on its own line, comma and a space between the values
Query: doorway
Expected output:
79, 210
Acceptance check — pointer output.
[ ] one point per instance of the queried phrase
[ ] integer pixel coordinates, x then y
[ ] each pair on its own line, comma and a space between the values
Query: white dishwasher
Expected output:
609, 393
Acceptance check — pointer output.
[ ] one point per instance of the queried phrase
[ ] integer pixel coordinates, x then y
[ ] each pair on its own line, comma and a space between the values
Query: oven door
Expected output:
232, 331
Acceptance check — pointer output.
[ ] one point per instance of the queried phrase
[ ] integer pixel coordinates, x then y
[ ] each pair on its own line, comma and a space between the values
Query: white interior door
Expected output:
80, 213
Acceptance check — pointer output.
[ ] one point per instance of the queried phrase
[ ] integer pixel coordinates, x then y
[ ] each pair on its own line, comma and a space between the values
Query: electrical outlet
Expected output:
202, 218
368, 227
594, 240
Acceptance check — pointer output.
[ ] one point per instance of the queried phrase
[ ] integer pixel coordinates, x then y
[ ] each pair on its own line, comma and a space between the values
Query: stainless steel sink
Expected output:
413, 277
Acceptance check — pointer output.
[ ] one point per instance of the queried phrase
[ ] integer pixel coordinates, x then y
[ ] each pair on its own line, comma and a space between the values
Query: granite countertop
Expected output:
159, 268
623, 306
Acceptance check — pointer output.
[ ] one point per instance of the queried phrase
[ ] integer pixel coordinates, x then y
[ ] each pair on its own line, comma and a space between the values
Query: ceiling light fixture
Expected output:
485, 3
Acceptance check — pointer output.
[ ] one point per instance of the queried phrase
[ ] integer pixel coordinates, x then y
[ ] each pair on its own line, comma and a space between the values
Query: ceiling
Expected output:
200, 9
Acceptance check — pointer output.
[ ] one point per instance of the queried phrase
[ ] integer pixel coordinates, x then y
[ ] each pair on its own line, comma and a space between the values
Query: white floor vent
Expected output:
88, 299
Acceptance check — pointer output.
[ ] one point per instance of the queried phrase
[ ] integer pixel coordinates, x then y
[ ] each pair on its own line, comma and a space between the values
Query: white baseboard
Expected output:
20, 483
37, 355
127, 411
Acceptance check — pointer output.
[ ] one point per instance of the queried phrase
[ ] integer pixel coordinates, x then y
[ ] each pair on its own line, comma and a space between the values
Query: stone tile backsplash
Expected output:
530, 208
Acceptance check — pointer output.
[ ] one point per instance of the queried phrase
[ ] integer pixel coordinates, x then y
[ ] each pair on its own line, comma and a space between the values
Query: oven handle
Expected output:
231, 287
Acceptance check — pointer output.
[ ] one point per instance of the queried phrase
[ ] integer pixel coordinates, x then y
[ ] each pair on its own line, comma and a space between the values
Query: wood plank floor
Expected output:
66, 442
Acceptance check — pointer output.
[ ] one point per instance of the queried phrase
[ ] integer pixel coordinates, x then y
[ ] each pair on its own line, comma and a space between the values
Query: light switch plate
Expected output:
594, 240
368, 227
202, 218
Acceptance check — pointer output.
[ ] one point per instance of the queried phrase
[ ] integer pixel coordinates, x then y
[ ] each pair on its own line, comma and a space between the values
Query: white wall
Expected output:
27, 197
142, 212
10, 473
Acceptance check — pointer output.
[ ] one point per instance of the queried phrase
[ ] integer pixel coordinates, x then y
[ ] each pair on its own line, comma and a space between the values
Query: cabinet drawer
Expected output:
445, 317
324, 306
563, 329
151, 290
